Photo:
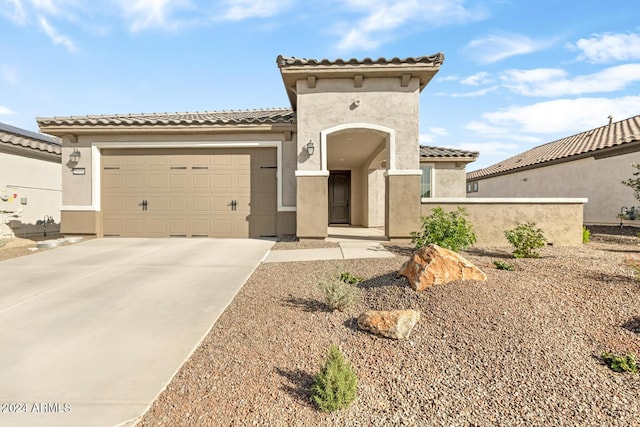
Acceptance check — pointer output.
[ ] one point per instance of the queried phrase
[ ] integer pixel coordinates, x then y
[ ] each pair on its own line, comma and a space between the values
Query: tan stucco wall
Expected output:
383, 101
597, 180
403, 205
450, 179
312, 207
561, 222
81, 222
286, 223
376, 194
40, 182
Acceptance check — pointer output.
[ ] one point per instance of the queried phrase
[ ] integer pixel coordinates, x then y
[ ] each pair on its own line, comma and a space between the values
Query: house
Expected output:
30, 182
591, 165
346, 152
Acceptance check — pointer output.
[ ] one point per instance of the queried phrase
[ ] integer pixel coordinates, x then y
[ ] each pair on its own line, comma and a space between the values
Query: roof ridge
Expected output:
29, 134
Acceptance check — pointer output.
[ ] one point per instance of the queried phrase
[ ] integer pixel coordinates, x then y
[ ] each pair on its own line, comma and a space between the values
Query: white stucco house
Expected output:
590, 164
30, 182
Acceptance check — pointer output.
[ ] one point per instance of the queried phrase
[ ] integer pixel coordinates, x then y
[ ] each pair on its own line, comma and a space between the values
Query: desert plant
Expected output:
347, 277
586, 235
335, 386
337, 293
634, 183
503, 265
634, 263
620, 363
449, 230
525, 239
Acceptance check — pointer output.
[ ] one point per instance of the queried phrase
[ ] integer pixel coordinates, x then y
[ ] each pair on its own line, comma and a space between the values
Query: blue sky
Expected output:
517, 73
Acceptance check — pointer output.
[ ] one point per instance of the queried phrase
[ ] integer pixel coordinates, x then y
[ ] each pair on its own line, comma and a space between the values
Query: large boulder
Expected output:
433, 265
396, 324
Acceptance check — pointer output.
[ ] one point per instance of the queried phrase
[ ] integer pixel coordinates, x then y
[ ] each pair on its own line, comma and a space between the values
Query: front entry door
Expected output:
339, 195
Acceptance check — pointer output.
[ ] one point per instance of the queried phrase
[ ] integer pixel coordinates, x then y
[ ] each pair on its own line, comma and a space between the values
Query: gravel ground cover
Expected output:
520, 349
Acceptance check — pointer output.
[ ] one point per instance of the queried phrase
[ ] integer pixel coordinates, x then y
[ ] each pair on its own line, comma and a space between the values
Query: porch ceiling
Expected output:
352, 149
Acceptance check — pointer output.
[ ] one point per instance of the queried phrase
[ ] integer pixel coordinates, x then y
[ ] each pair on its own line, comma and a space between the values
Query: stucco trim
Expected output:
77, 208
390, 142
312, 173
404, 172
506, 200
97, 146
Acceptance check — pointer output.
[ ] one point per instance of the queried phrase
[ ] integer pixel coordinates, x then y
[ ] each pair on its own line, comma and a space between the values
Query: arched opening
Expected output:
356, 157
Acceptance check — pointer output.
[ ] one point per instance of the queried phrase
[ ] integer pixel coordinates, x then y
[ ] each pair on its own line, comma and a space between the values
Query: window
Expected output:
472, 187
425, 183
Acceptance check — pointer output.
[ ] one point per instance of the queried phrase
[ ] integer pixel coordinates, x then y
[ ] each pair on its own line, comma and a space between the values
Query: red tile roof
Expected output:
601, 138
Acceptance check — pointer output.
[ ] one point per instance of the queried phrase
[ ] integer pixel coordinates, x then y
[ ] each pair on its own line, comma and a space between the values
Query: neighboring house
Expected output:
346, 152
590, 165
30, 182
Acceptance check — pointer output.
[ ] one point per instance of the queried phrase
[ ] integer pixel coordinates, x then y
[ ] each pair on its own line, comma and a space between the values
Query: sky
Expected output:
517, 73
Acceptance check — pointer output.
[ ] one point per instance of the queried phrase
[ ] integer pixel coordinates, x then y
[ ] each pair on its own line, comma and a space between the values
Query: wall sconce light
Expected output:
310, 148
74, 156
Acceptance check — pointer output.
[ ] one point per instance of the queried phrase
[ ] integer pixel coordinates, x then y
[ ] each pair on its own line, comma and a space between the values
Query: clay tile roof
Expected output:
441, 152
28, 141
604, 137
231, 117
285, 61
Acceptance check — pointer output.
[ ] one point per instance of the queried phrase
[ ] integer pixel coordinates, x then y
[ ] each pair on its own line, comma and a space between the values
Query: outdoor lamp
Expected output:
310, 148
75, 156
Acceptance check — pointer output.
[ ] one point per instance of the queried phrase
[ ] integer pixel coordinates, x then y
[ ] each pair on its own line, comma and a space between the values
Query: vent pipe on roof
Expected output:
610, 119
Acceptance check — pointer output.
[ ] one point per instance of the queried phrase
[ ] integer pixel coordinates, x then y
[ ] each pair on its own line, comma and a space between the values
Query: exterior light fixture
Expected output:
310, 148
74, 156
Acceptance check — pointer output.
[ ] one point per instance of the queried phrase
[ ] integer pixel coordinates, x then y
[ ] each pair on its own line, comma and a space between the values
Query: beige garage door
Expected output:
189, 192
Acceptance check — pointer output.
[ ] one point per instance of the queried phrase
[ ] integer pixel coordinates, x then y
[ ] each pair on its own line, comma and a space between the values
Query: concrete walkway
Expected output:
92, 333
353, 242
346, 250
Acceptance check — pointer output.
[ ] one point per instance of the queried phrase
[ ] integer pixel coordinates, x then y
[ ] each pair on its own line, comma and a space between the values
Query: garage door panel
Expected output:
189, 193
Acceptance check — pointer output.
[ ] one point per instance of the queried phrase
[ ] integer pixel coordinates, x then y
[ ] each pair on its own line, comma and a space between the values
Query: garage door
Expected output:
189, 192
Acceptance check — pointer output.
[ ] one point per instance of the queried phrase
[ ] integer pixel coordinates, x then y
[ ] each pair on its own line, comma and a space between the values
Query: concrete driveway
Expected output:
91, 333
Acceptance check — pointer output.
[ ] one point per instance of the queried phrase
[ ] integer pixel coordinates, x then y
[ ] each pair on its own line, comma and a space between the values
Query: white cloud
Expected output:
244, 9
554, 82
495, 48
54, 36
475, 93
566, 116
14, 11
477, 79
5, 111
603, 48
448, 79
384, 19
145, 14
429, 138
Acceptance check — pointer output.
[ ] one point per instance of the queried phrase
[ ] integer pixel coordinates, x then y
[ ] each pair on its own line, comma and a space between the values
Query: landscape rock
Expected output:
433, 265
396, 324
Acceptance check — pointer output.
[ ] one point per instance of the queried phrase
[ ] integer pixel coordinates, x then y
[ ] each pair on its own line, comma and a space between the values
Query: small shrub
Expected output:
350, 278
526, 238
634, 263
503, 265
586, 235
449, 230
339, 294
618, 363
335, 386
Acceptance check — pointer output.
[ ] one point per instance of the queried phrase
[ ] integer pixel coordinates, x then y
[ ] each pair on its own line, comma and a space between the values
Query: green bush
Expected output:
335, 386
338, 294
586, 235
350, 278
503, 265
526, 238
449, 230
626, 363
